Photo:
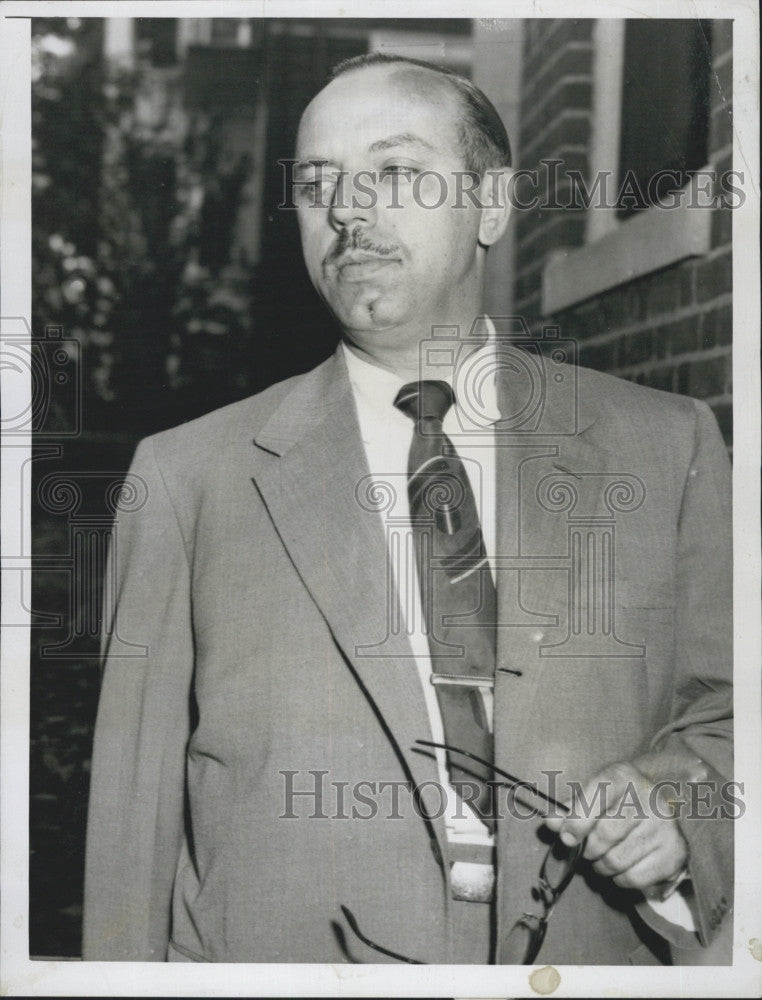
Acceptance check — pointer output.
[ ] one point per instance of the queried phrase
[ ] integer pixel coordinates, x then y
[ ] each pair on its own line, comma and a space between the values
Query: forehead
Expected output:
367, 105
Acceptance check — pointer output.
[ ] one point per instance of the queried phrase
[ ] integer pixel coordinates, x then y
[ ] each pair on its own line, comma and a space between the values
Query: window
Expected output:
665, 107
650, 115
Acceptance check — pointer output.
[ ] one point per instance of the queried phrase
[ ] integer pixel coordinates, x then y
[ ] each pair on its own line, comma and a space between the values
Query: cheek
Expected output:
447, 244
310, 229
313, 259
431, 192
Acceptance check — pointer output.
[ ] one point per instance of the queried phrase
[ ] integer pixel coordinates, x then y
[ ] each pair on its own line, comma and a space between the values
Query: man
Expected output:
346, 580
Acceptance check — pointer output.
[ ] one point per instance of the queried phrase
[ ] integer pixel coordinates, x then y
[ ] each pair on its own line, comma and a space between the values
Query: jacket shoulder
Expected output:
224, 429
625, 409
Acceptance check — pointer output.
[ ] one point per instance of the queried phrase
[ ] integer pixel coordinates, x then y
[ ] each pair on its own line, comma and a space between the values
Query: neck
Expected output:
408, 357
414, 368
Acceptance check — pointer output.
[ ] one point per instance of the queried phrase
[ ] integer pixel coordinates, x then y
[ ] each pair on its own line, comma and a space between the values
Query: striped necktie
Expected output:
457, 590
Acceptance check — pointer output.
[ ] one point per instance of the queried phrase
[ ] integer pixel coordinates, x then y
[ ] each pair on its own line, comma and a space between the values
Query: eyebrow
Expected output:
401, 139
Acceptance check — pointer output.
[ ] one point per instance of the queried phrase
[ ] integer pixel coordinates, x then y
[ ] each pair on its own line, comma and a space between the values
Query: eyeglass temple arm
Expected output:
510, 778
350, 917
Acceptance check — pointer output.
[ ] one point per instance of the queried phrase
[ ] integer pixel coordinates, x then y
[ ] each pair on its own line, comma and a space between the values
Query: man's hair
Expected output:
483, 139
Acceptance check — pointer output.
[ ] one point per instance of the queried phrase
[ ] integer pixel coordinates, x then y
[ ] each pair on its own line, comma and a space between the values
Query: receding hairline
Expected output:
413, 78
481, 133
399, 72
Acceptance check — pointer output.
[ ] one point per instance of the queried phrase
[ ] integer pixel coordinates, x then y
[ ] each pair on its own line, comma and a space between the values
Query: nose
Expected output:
354, 200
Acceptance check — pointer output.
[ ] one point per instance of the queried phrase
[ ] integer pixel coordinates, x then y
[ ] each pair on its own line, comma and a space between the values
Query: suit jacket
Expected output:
252, 653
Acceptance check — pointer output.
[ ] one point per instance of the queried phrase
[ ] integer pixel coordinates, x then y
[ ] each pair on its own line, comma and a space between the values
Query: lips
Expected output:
361, 259
359, 266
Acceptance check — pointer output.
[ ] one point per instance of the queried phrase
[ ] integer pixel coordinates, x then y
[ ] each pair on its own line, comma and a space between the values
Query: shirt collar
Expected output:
476, 396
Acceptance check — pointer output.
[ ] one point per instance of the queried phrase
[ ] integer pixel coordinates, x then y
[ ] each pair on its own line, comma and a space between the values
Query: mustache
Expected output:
357, 240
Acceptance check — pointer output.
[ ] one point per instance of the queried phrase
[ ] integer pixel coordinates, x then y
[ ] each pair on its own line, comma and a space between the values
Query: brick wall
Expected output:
670, 329
555, 125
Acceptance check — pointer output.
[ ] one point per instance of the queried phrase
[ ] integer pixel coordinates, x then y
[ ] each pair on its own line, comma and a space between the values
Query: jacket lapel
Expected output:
310, 470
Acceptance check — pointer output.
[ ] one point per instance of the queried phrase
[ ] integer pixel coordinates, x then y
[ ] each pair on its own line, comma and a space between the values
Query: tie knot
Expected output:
425, 400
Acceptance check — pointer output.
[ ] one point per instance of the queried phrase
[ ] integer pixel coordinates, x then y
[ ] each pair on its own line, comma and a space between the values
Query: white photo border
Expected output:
20, 976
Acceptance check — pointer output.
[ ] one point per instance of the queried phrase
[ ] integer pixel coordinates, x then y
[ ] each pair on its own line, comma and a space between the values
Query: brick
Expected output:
687, 281
528, 220
722, 227
569, 93
577, 29
527, 287
633, 302
663, 293
683, 335
612, 310
637, 347
550, 61
571, 129
661, 342
528, 306
554, 229
580, 322
714, 277
717, 326
704, 377
532, 265
679, 337
623, 306
574, 160
661, 378
602, 357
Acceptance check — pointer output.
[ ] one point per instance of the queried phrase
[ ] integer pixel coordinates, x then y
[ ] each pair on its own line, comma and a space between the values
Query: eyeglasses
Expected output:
526, 937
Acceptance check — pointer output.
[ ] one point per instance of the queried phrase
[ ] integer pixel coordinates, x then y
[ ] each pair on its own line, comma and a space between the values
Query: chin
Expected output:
370, 312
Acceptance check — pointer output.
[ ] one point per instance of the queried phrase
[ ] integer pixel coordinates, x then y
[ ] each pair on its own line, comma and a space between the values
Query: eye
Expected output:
315, 190
316, 182
399, 170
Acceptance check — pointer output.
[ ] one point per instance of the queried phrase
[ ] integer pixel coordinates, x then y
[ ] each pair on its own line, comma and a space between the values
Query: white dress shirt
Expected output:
387, 434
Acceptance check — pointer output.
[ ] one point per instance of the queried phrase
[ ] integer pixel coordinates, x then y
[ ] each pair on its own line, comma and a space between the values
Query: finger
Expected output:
662, 843
649, 873
601, 794
607, 833
625, 855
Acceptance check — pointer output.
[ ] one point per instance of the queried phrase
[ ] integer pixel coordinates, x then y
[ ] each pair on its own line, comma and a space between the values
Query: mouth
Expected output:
358, 266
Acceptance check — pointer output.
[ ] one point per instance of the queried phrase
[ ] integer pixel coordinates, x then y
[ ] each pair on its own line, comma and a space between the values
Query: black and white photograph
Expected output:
380, 468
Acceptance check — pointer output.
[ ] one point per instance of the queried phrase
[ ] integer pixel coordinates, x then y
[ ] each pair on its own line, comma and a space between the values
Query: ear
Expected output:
496, 207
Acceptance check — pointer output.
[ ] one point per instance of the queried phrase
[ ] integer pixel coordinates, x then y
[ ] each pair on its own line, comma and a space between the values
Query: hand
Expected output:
628, 837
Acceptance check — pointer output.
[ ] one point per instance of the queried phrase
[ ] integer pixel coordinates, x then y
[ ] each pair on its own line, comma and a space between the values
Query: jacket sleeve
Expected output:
696, 747
136, 810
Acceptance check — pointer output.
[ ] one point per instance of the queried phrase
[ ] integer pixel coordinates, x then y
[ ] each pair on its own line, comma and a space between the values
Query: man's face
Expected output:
379, 254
